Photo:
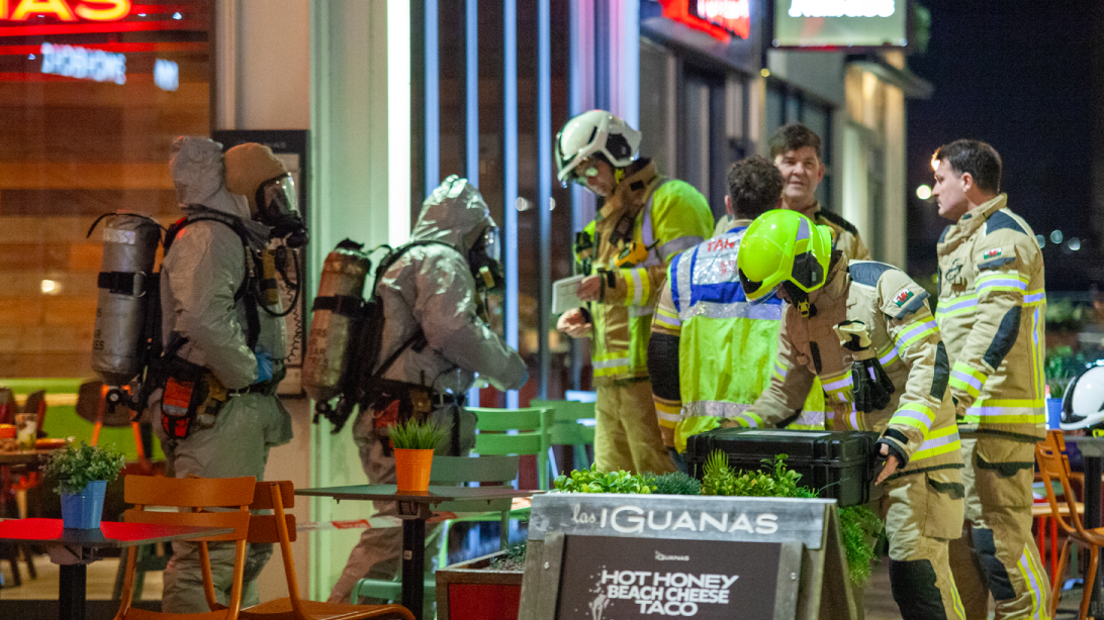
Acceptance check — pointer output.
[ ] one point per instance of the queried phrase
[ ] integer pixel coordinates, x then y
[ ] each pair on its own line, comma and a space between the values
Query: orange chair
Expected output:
1041, 511
1053, 465
280, 529
196, 494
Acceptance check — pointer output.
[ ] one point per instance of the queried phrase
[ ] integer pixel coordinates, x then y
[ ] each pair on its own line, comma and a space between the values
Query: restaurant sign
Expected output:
840, 23
65, 10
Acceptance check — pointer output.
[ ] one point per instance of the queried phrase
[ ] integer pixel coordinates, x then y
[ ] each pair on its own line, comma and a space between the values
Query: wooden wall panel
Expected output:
70, 151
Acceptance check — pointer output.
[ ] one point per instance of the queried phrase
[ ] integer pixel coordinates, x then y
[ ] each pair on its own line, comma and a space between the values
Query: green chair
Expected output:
448, 470
567, 430
516, 431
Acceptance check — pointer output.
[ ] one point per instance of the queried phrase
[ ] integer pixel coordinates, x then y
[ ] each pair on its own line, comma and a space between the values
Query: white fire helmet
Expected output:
1083, 405
596, 132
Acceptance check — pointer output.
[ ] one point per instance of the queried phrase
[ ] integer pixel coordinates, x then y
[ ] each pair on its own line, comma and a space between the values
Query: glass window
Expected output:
88, 111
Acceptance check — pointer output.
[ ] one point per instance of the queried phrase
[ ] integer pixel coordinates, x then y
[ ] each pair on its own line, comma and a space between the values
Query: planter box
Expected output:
470, 591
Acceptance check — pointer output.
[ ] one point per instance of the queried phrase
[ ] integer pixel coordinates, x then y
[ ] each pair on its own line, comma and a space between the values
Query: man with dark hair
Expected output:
703, 323
796, 151
992, 308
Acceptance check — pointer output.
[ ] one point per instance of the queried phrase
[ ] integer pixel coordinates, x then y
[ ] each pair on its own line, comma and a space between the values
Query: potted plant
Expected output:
414, 443
1061, 367
82, 473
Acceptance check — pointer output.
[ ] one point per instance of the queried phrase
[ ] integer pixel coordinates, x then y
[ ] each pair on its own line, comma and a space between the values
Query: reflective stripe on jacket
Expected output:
670, 216
726, 345
992, 310
906, 339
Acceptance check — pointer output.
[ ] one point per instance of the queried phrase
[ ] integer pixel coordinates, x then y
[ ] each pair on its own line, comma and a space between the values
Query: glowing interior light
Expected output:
765, 72
30, 56
1041, 240
1056, 236
177, 16
50, 287
1074, 243
923, 192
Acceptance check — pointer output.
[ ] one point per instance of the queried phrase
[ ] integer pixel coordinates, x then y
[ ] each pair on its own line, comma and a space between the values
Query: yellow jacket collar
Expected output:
632, 190
972, 220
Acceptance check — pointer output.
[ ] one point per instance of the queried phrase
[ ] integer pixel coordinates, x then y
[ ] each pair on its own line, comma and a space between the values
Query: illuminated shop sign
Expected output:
65, 10
734, 16
840, 23
83, 64
720, 19
841, 8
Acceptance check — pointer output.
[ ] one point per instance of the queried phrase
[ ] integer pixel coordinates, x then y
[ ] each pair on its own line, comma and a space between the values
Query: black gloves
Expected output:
871, 388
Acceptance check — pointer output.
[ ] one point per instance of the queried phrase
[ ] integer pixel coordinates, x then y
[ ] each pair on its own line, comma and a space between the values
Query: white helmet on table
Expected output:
596, 132
1083, 405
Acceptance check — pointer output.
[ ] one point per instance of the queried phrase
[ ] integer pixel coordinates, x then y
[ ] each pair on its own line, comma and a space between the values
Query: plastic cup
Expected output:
26, 430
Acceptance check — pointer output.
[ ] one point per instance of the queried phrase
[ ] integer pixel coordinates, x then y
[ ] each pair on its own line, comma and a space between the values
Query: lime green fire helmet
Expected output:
784, 248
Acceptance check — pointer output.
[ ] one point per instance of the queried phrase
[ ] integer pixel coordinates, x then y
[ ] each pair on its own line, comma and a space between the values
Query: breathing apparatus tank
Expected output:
127, 285
328, 368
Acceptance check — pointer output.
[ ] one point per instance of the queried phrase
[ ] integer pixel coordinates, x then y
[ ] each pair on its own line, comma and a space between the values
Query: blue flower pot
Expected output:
1054, 413
82, 511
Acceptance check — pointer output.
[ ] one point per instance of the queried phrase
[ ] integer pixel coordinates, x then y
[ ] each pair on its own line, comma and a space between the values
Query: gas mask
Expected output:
484, 260
277, 207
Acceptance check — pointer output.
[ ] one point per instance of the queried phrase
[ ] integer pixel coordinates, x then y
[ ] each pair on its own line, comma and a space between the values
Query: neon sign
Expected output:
83, 64
732, 15
720, 19
65, 10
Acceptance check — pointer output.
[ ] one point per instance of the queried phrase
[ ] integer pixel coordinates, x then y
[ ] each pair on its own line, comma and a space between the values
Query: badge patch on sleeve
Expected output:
902, 297
994, 253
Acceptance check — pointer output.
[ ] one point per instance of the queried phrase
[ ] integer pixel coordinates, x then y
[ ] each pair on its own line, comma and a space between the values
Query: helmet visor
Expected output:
491, 244
278, 196
756, 292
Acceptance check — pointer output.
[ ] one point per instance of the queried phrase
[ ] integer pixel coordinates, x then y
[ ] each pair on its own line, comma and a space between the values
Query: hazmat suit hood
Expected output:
199, 177
454, 213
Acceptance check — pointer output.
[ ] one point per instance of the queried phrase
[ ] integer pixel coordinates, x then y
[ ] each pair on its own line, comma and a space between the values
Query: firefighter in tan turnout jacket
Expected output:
992, 308
644, 221
864, 329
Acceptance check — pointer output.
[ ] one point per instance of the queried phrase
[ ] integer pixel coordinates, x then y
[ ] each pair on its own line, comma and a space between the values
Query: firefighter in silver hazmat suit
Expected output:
431, 287
200, 277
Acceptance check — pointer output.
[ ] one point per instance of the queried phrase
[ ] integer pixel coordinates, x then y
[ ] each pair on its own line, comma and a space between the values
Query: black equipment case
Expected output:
837, 465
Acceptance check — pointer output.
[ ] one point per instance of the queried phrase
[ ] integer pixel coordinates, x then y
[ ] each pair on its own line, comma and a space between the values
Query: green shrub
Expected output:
859, 526
676, 483
74, 466
593, 481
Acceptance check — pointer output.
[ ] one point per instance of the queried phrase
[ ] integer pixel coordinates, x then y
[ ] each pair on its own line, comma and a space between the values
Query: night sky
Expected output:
1017, 75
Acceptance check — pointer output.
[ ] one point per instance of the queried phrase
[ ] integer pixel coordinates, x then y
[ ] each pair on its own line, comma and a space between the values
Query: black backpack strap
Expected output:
417, 340
244, 292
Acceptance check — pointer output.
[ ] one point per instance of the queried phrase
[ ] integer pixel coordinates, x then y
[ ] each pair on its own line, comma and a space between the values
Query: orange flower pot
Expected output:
412, 469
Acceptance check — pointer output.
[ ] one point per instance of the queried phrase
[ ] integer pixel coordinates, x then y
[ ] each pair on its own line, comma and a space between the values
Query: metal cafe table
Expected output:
74, 549
415, 507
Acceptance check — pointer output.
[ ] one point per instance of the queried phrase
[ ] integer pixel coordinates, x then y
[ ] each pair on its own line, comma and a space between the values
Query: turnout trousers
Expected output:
922, 512
627, 432
997, 554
